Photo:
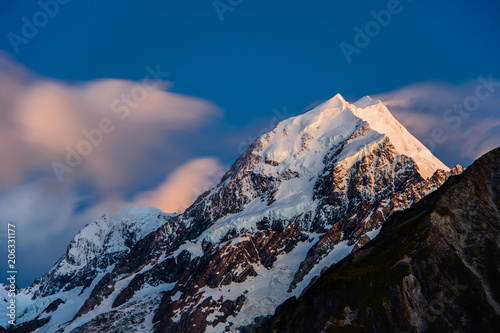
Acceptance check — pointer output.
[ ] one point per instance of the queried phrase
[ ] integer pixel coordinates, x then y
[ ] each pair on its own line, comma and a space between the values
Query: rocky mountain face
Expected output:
301, 198
434, 267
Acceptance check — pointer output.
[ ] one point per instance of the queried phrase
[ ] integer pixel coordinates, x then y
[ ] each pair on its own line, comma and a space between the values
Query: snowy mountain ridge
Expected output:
301, 198
381, 120
89, 256
335, 119
107, 235
293, 155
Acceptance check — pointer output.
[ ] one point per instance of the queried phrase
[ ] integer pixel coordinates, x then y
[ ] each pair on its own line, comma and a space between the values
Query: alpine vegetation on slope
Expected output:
434, 267
301, 198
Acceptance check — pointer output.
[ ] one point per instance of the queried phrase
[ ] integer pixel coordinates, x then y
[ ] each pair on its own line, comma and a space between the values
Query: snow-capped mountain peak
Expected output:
114, 232
380, 119
302, 197
331, 122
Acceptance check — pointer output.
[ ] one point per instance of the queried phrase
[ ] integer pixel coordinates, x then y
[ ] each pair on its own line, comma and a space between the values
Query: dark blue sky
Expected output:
263, 55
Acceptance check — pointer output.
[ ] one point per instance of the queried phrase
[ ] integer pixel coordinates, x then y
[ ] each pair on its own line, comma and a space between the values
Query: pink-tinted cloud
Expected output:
42, 121
184, 185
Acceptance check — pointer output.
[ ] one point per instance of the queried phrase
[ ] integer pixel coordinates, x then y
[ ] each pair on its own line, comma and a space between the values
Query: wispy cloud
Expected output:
481, 137
45, 219
44, 120
183, 185
458, 123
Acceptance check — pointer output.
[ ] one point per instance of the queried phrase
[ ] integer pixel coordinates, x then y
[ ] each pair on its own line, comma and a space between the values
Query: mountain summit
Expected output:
302, 197
337, 111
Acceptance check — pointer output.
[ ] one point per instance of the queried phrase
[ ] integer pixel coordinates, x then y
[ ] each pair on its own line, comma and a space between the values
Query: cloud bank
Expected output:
43, 121
72, 151
184, 185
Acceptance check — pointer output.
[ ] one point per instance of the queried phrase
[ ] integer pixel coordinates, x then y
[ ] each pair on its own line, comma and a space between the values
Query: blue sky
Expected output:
265, 53
237, 76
